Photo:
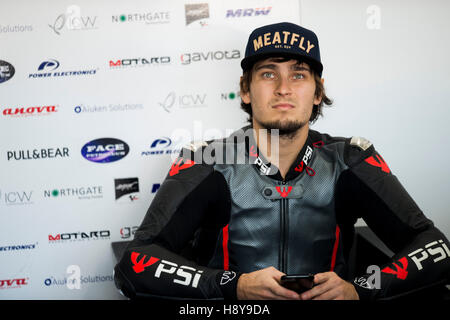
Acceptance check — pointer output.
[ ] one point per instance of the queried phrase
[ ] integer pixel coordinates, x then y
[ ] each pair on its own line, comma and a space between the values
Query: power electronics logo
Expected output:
19, 247
148, 18
139, 62
82, 193
73, 20
197, 14
6, 71
79, 236
35, 154
162, 145
47, 70
30, 111
13, 283
188, 58
16, 197
126, 189
105, 150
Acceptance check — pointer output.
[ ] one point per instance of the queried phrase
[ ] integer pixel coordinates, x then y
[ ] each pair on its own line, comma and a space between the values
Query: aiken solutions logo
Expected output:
128, 187
82, 108
105, 150
46, 70
6, 71
30, 111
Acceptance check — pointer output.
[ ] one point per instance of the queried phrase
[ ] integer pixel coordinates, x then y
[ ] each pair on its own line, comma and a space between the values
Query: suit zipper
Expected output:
284, 233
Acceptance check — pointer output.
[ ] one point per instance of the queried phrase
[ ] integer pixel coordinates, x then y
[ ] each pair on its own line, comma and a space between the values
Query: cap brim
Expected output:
247, 63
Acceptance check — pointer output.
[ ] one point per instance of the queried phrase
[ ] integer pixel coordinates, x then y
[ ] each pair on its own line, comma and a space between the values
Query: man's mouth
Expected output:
283, 106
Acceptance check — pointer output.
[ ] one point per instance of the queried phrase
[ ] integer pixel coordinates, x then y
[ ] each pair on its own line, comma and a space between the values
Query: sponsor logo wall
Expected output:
90, 95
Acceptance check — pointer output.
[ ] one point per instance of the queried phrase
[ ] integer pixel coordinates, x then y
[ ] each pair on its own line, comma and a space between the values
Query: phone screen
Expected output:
298, 283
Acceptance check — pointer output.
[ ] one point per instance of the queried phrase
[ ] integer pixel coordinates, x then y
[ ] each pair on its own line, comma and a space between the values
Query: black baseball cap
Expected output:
283, 39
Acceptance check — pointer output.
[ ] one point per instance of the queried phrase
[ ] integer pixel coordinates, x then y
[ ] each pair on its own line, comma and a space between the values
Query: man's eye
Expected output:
299, 76
268, 75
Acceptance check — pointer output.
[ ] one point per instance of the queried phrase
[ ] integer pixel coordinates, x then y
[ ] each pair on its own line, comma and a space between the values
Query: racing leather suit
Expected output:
213, 220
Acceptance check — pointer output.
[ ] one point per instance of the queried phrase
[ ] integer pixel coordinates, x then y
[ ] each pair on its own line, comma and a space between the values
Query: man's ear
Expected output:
245, 96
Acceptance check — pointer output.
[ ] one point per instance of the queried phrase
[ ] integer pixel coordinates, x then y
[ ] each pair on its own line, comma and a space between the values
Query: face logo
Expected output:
380, 163
179, 165
284, 193
139, 266
401, 272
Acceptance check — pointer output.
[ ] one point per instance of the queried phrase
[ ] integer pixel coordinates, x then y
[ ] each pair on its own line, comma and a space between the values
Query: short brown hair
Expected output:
319, 92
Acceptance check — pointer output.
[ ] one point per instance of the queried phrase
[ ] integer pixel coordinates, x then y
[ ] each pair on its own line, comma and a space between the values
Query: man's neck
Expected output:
288, 150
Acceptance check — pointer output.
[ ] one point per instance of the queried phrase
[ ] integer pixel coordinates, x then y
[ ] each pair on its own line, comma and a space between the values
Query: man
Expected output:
230, 230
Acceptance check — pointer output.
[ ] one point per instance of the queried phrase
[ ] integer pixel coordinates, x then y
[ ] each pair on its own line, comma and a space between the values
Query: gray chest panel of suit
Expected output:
295, 234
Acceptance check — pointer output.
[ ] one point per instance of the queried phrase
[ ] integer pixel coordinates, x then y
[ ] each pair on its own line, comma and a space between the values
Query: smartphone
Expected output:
298, 282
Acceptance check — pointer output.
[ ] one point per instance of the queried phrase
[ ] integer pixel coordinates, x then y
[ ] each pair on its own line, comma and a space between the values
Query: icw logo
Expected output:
180, 164
139, 266
380, 163
401, 272
284, 193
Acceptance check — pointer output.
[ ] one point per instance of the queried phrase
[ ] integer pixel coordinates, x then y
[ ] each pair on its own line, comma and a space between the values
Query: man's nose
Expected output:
283, 87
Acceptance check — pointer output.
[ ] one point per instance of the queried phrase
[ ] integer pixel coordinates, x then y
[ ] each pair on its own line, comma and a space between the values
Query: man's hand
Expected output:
263, 284
329, 286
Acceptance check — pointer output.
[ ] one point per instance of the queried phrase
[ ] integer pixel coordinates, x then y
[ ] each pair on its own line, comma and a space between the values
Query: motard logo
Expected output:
188, 58
13, 283
139, 62
29, 111
79, 236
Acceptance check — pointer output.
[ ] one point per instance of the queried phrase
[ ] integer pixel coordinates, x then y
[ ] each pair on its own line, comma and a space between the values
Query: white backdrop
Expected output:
153, 67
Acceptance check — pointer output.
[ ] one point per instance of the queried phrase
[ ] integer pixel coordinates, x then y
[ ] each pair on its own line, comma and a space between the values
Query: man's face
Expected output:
281, 94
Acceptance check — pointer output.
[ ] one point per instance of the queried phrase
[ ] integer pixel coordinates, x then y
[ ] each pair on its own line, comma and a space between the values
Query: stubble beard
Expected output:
287, 129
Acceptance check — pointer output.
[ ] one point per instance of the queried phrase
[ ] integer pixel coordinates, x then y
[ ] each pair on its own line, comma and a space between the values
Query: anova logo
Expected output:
188, 276
79, 236
72, 20
30, 111
13, 283
105, 150
188, 58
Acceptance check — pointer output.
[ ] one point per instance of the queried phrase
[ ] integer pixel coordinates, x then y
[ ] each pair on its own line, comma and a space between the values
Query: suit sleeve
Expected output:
192, 198
371, 191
